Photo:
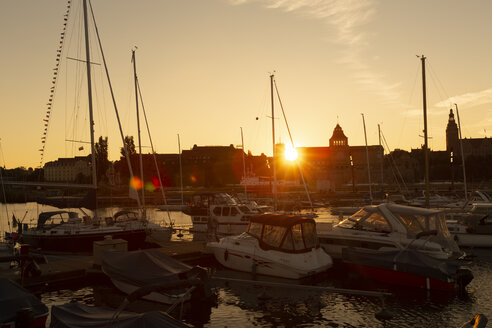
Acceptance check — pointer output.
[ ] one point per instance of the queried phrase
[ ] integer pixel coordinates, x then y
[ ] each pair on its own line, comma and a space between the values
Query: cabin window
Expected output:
217, 211
414, 223
225, 211
255, 229
375, 222
297, 237
352, 221
272, 235
288, 245
309, 234
234, 211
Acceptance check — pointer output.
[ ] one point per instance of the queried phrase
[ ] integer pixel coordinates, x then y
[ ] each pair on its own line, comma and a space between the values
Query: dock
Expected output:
50, 271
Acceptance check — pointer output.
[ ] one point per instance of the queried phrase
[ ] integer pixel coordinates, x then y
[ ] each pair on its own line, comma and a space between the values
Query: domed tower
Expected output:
452, 134
338, 139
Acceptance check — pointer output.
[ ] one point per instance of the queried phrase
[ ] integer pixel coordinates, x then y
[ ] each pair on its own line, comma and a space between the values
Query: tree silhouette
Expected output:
102, 161
130, 146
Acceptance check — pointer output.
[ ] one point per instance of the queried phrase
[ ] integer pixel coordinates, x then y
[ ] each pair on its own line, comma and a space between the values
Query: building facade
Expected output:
68, 169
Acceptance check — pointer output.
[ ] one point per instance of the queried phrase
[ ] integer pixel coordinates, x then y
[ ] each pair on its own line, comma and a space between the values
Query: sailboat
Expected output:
64, 231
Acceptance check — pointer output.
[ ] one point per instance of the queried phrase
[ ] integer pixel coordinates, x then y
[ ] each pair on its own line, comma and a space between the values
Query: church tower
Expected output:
452, 134
338, 139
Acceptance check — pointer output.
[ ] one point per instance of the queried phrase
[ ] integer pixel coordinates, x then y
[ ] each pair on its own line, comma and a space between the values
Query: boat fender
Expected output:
226, 255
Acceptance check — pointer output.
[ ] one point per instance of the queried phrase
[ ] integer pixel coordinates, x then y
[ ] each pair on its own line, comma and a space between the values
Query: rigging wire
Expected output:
114, 103
293, 146
154, 153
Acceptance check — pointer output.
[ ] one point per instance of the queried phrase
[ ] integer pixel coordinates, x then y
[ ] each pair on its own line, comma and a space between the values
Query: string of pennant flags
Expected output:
46, 119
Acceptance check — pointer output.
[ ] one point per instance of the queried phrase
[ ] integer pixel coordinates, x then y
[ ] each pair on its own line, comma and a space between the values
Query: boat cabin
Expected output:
285, 233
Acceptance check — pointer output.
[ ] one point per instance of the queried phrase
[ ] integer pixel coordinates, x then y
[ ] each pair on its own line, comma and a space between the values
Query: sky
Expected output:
204, 67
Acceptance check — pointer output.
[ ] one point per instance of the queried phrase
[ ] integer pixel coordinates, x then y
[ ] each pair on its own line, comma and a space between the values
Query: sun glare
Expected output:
290, 153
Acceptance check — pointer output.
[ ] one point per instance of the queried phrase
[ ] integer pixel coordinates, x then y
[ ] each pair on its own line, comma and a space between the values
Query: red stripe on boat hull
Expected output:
402, 278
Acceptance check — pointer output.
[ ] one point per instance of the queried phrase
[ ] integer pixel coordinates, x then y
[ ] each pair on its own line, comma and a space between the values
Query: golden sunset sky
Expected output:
204, 70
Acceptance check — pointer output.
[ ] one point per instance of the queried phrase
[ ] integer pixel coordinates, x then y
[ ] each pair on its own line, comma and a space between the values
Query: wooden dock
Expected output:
71, 269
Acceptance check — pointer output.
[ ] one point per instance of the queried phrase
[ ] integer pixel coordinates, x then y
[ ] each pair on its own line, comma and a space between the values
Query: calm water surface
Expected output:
240, 305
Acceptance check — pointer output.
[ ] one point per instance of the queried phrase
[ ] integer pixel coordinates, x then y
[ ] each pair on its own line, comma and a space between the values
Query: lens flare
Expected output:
290, 153
136, 183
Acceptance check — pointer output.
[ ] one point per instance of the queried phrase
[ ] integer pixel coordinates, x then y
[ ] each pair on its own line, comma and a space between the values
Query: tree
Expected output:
102, 161
130, 146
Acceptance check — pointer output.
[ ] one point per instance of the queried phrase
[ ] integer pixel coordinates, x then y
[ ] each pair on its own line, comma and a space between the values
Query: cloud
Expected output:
471, 99
347, 17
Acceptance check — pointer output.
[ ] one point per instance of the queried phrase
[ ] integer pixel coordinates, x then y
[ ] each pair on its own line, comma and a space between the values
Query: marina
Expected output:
338, 297
327, 234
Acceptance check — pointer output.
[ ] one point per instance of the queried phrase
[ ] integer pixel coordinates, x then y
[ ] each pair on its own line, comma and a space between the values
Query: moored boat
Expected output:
219, 213
167, 279
65, 231
276, 245
408, 268
20, 308
391, 227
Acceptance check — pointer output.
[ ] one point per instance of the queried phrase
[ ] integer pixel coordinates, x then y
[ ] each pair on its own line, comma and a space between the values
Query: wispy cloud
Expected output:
471, 99
347, 17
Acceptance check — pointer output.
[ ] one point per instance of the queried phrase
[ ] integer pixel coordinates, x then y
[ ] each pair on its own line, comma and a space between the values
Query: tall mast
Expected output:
367, 159
274, 186
89, 91
135, 79
382, 159
180, 170
244, 165
426, 146
461, 149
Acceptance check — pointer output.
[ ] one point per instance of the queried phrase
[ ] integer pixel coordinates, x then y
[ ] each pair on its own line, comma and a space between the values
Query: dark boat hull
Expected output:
406, 268
82, 243
402, 278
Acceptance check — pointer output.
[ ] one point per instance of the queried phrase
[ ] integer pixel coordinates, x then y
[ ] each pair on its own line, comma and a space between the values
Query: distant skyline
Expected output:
204, 69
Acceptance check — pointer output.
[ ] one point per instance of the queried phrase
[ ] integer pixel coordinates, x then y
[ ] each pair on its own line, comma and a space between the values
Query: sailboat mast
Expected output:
274, 186
89, 91
244, 166
461, 149
180, 170
367, 159
426, 146
135, 79
382, 159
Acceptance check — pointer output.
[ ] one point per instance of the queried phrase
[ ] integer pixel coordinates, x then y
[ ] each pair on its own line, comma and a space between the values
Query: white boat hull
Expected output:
247, 256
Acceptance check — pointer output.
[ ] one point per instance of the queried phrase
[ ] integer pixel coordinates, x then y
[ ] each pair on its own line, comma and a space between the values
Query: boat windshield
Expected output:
368, 221
416, 224
300, 236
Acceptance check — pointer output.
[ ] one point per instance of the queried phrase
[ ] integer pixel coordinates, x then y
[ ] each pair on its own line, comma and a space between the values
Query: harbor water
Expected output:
249, 305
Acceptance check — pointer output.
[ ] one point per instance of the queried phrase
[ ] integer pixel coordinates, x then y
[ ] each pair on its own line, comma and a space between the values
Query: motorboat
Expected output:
390, 227
277, 245
20, 308
219, 213
65, 231
79, 315
407, 267
472, 229
168, 280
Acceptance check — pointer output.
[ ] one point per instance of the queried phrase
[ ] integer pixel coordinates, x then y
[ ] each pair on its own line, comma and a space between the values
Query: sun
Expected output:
290, 153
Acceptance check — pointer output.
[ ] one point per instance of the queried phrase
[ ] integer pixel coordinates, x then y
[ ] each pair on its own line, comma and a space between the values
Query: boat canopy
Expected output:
414, 221
45, 216
286, 233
